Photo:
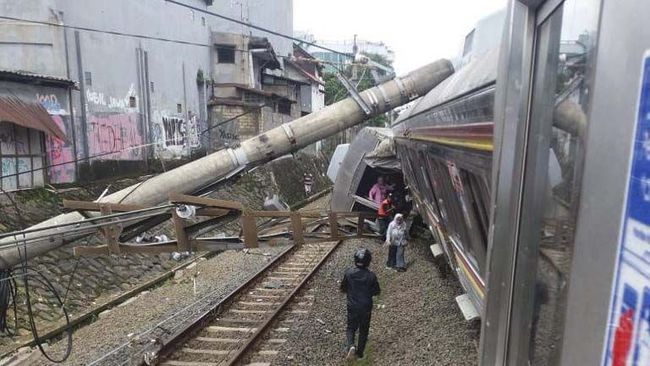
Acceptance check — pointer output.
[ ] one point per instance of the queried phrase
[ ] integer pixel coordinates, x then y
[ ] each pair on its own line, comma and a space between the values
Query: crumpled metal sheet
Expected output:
383, 155
29, 115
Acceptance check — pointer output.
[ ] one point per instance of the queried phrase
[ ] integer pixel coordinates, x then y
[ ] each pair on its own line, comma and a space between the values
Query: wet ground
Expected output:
415, 320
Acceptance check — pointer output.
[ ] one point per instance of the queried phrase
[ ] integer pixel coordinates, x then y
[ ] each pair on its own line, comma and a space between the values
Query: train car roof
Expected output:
479, 73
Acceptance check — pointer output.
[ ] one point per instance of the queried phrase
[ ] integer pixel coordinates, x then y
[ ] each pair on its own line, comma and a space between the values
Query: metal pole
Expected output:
287, 138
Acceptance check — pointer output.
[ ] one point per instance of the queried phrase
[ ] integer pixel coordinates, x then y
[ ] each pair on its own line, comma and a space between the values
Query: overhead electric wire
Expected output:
257, 27
172, 40
130, 147
78, 229
88, 219
221, 123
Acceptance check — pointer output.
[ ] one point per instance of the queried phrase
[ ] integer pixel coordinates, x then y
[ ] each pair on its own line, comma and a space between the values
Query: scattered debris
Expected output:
103, 313
272, 285
127, 301
148, 238
320, 321
178, 274
179, 256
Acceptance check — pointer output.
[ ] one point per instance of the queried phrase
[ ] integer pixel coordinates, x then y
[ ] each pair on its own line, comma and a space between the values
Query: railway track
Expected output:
251, 326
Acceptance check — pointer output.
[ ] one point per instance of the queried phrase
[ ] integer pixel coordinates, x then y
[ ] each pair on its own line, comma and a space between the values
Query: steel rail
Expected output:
251, 341
183, 335
178, 339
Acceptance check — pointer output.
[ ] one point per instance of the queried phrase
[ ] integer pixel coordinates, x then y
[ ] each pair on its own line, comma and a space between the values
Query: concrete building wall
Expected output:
276, 15
238, 72
160, 75
32, 47
140, 97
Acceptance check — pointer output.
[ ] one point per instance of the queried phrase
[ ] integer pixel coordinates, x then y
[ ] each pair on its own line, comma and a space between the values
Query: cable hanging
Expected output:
10, 295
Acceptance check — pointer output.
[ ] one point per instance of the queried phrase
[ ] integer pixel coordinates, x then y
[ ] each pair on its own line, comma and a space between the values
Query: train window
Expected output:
430, 168
457, 217
479, 209
563, 58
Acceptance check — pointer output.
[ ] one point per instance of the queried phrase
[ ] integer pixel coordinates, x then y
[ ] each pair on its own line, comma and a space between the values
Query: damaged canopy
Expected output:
30, 115
383, 156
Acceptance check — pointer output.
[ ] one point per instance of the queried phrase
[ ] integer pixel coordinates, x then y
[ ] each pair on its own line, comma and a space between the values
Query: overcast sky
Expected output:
419, 31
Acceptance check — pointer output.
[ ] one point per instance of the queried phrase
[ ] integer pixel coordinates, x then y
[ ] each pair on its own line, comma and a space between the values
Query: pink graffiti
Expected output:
113, 137
59, 157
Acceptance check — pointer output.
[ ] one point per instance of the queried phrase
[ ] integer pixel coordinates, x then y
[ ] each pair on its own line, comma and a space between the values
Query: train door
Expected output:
542, 115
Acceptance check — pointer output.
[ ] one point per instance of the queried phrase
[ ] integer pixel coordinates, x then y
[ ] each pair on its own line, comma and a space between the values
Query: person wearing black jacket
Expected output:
361, 285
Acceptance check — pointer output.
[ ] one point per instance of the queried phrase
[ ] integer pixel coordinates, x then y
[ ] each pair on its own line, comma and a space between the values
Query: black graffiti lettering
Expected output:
175, 131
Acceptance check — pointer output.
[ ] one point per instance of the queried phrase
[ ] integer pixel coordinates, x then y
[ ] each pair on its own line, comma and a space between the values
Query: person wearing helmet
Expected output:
360, 285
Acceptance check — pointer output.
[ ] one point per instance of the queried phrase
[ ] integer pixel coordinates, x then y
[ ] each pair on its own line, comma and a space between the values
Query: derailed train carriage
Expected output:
531, 165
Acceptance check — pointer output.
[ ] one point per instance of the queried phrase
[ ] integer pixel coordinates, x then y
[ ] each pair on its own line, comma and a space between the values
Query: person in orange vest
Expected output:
385, 213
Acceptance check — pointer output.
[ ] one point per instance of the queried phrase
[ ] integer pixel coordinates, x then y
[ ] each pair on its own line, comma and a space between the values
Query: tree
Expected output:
335, 91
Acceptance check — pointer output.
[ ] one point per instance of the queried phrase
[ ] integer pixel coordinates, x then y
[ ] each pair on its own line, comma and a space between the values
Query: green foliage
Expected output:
335, 91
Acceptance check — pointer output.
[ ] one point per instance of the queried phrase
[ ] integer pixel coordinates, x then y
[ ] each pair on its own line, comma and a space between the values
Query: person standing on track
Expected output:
308, 181
361, 285
396, 239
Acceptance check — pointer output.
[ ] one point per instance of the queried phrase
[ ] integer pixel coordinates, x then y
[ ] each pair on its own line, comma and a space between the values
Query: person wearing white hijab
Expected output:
396, 239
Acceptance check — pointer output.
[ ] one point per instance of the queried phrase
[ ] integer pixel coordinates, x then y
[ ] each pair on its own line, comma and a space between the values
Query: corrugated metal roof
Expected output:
30, 115
18, 75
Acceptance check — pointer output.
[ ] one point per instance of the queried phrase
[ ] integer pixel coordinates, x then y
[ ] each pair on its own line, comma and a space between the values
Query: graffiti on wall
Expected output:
174, 134
193, 130
229, 138
60, 155
51, 103
175, 131
114, 137
11, 143
100, 99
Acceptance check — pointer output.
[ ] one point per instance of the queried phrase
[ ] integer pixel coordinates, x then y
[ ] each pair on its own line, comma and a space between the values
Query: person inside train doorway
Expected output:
379, 191
385, 214
360, 285
396, 240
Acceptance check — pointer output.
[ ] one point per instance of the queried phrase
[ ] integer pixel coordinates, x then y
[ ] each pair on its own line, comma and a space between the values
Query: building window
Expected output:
225, 54
88, 78
23, 157
131, 102
179, 108
151, 85
203, 21
284, 107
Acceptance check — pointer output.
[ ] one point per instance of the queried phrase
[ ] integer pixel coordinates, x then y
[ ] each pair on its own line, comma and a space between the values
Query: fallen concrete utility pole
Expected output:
287, 138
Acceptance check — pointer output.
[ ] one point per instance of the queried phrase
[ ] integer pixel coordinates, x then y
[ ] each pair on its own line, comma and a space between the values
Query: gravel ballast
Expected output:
415, 320
215, 278
124, 329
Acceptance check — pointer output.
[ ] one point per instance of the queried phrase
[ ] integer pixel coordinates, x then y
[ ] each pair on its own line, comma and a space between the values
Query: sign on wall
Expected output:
628, 338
